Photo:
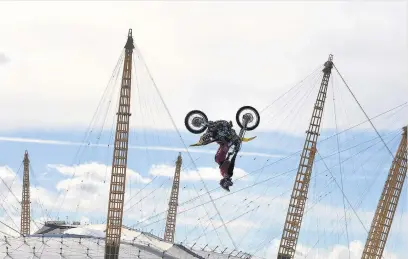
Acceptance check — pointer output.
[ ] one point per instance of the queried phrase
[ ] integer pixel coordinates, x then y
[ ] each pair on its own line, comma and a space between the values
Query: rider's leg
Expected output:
227, 171
235, 140
221, 154
224, 168
230, 171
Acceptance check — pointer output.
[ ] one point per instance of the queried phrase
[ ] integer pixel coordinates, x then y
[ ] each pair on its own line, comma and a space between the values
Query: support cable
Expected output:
313, 85
185, 146
323, 195
292, 88
365, 121
237, 217
6, 194
368, 118
195, 198
10, 227
104, 114
340, 168
15, 176
266, 180
364, 194
11, 219
44, 211
344, 195
32, 220
88, 131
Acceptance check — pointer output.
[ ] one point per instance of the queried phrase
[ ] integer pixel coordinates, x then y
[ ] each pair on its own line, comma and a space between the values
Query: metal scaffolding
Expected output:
172, 213
25, 200
119, 164
298, 198
387, 205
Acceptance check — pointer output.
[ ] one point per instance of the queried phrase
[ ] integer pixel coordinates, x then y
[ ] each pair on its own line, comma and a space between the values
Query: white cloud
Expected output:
207, 173
94, 171
161, 148
203, 51
3, 58
91, 180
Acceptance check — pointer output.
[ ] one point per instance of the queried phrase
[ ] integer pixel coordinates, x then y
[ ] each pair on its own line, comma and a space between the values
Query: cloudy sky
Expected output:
58, 62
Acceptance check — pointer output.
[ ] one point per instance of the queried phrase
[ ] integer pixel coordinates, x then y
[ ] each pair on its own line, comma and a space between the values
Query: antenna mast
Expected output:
298, 198
173, 203
119, 164
387, 205
25, 201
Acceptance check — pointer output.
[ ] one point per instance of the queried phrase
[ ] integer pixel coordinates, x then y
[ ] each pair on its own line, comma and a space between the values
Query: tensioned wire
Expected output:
404, 105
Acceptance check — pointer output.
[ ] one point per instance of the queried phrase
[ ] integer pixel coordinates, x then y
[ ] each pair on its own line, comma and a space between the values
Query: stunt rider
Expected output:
221, 131
224, 135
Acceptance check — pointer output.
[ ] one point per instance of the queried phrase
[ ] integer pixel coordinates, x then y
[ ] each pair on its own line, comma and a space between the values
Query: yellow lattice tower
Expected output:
119, 163
172, 213
387, 205
25, 201
298, 198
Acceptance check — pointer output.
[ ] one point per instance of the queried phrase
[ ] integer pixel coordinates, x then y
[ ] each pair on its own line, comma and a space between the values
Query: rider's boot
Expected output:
224, 172
228, 180
224, 184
